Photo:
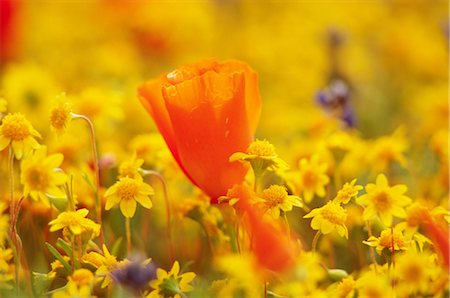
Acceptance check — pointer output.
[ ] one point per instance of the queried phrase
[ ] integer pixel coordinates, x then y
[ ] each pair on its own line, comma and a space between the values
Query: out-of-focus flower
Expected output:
18, 132
335, 100
127, 192
371, 284
172, 283
206, 112
76, 222
6, 274
262, 156
266, 237
73, 290
383, 200
348, 191
328, 218
389, 238
312, 177
276, 199
60, 115
388, 149
39, 175
243, 276
346, 288
135, 275
82, 277
130, 168
8, 29
414, 271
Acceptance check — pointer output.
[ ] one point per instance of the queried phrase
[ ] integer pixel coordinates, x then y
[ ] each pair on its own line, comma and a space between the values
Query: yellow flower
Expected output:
76, 222
39, 175
373, 285
82, 277
130, 168
346, 288
312, 177
17, 131
348, 191
105, 264
60, 115
388, 149
6, 275
171, 284
262, 156
388, 240
414, 272
276, 199
128, 191
73, 290
385, 201
328, 218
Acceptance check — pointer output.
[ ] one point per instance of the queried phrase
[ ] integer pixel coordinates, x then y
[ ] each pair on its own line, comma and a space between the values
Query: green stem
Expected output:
98, 202
12, 207
315, 240
128, 234
168, 212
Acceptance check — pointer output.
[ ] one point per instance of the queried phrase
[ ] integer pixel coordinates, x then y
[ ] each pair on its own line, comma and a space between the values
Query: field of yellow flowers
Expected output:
224, 148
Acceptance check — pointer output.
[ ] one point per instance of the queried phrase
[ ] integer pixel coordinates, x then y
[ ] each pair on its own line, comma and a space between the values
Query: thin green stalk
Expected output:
315, 240
98, 202
128, 234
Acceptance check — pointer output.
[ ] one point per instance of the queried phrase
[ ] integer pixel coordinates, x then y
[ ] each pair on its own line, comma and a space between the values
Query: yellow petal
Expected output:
128, 208
4, 142
144, 201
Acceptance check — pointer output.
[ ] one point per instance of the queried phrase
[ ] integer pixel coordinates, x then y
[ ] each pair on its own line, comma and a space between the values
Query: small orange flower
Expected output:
206, 112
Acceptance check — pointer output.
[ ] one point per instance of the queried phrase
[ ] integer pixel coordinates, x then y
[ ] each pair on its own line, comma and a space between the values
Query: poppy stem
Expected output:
128, 234
98, 201
168, 212
315, 240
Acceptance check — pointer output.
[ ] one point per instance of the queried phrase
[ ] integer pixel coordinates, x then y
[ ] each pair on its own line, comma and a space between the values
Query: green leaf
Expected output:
64, 246
116, 247
59, 257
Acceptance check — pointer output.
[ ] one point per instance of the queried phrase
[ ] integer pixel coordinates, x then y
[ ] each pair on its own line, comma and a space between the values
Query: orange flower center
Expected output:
386, 239
37, 178
309, 179
128, 189
274, 195
334, 214
382, 201
59, 116
15, 127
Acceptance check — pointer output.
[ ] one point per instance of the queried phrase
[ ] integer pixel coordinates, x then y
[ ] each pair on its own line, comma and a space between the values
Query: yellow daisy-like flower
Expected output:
347, 192
414, 272
73, 290
105, 264
17, 131
130, 168
328, 218
127, 192
171, 284
374, 285
312, 177
383, 200
346, 288
276, 199
39, 175
60, 115
75, 222
388, 149
262, 156
388, 239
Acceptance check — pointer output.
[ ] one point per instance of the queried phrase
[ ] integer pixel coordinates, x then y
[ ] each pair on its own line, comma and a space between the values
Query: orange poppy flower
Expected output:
206, 112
